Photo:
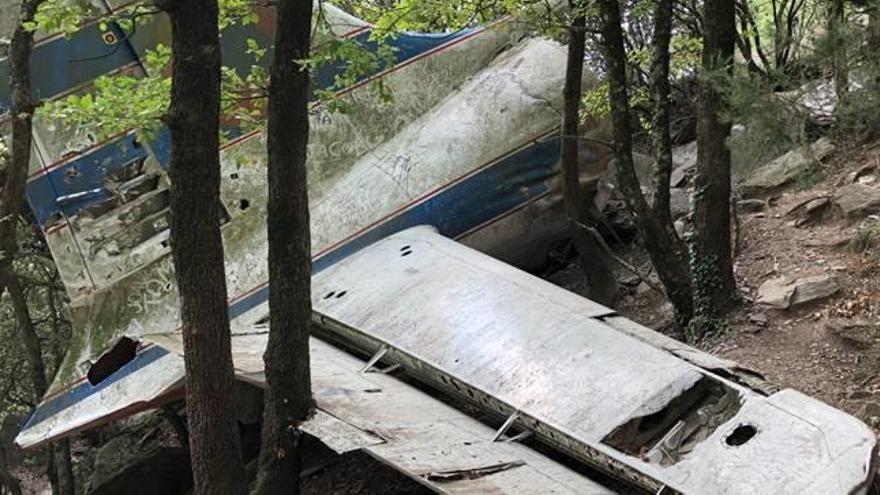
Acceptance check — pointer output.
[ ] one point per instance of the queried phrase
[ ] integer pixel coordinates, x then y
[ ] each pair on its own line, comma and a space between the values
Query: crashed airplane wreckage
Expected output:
469, 146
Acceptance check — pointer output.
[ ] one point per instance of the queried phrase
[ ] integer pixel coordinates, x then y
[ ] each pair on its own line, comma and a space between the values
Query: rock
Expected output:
751, 205
857, 200
759, 319
784, 292
865, 175
684, 160
786, 168
871, 414
809, 211
679, 176
776, 293
680, 228
679, 203
861, 333
684, 157
814, 288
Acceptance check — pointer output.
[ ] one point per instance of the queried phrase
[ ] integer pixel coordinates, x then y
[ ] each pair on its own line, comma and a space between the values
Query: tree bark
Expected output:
657, 233
712, 263
662, 114
22, 113
874, 24
596, 265
7, 480
64, 468
194, 172
289, 398
839, 65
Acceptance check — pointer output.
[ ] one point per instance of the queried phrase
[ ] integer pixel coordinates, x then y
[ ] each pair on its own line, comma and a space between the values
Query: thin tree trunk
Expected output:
658, 236
711, 262
596, 265
64, 467
27, 334
662, 115
21, 115
840, 68
194, 171
289, 398
874, 24
7, 479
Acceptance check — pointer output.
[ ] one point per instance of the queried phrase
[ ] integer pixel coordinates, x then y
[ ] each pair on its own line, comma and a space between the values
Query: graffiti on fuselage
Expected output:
467, 141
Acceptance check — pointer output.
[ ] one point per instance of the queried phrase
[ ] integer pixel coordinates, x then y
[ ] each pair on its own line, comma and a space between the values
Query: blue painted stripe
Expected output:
85, 389
93, 167
490, 193
66, 63
80, 183
493, 191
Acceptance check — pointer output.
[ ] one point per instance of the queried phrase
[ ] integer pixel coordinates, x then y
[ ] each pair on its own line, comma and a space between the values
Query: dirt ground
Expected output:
793, 348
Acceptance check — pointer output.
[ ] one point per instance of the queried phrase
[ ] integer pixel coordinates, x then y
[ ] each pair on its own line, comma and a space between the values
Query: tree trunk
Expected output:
64, 468
27, 334
662, 115
8, 481
711, 262
595, 263
874, 24
657, 233
839, 65
289, 398
194, 171
21, 115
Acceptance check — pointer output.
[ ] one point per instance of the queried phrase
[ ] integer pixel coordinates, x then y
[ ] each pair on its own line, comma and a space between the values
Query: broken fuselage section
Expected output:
468, 145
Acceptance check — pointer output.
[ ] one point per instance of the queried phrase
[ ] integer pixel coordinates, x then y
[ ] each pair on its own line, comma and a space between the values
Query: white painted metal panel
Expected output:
511, 342
407, 429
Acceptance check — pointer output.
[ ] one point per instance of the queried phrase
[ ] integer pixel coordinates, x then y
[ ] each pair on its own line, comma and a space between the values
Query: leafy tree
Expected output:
667, 252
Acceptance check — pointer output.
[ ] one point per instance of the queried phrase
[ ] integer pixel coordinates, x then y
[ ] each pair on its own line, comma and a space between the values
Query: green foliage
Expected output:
595, 103
706, 281
119, 102
62, 16
357, 61
432, 15
236, 12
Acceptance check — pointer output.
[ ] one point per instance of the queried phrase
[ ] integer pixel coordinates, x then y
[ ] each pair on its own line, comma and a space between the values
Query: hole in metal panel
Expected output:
341, 294
330, 294
741, 434
244, 204
121, 354
670, 433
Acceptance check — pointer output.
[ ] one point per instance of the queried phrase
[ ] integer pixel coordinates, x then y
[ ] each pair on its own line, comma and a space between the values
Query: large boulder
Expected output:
857, 200
786, 168
785, 292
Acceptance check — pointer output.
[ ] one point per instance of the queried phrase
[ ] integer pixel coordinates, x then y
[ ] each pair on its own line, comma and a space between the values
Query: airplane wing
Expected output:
403, 427
609, 395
